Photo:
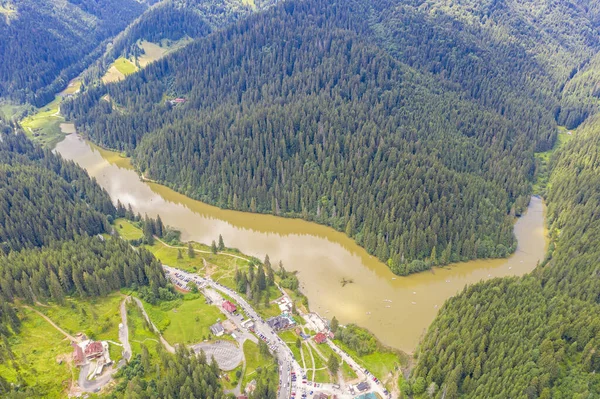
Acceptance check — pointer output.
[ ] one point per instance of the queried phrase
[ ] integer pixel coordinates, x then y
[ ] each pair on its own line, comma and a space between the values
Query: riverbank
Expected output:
396, 309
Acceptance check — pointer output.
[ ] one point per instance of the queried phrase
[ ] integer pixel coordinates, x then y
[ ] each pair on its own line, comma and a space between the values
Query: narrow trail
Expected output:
302, 356
63, 332
167, 346
201, 251
312, 358
124, 330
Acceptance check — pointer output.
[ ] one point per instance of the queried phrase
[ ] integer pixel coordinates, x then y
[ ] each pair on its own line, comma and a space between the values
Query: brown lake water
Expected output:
396, 309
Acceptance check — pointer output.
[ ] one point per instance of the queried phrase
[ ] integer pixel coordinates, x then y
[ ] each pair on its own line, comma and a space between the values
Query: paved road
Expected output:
291, 374
96, 384
287, 363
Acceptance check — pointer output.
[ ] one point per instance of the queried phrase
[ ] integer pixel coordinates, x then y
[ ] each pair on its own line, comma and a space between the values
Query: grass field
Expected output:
112, 75
254, 360
154, 52
39, 349
220, 267
139, 331
8, 110
347, 372
127, 230
543, 160
378, 363
289, 337
125, 66
43, 127
321, 374
98, 318
184, 321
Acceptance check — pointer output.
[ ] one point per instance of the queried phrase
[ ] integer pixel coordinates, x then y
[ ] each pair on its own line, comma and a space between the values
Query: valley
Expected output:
322, 256
300, 199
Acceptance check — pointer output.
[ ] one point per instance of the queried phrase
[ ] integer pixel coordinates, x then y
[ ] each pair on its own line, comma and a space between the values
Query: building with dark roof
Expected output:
363, 386
280, 322
217, 329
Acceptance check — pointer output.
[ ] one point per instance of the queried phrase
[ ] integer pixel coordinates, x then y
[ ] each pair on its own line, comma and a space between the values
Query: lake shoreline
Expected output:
391, 307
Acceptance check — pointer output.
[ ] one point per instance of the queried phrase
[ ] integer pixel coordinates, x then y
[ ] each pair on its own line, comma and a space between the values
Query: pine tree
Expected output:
191, 252
221, 243
333, 364
334, 325
213, 247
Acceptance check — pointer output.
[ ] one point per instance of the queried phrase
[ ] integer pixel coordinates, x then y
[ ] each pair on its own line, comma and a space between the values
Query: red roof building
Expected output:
320, 338
78, 356
228, 306
94, 349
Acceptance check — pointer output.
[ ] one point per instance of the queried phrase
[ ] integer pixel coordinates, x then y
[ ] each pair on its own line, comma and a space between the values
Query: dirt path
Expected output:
124, 330
167, 346
201, 251
312, 358
63, 332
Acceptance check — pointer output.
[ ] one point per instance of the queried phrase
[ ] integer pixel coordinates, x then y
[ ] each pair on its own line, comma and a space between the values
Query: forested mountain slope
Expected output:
172, 20
45, 43
540, 332
293, 112
44, 198
507, 54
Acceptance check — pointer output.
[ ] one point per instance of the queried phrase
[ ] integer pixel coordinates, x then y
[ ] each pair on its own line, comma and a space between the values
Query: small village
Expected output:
293, 378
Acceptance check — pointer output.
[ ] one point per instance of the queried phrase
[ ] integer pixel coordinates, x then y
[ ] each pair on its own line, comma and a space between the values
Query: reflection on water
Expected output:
397, 309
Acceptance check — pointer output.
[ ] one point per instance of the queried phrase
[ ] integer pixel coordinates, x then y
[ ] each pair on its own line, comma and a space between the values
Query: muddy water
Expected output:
397, 309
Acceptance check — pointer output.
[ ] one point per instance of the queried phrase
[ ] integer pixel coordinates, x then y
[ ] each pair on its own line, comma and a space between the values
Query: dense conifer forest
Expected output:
47, 43
310, 110
540, 332
182, 375
171, 21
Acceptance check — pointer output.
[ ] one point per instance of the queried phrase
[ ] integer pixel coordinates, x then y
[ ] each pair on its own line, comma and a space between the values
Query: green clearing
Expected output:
9, 110
43, 127
39, 349
185, 321
347, 372
220, 267
154, 52
254, 360
139, 331
289, 337
98, 318
168, 256
231, 381
125, 66
127, 229
543, 160
320, 375
381, 364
